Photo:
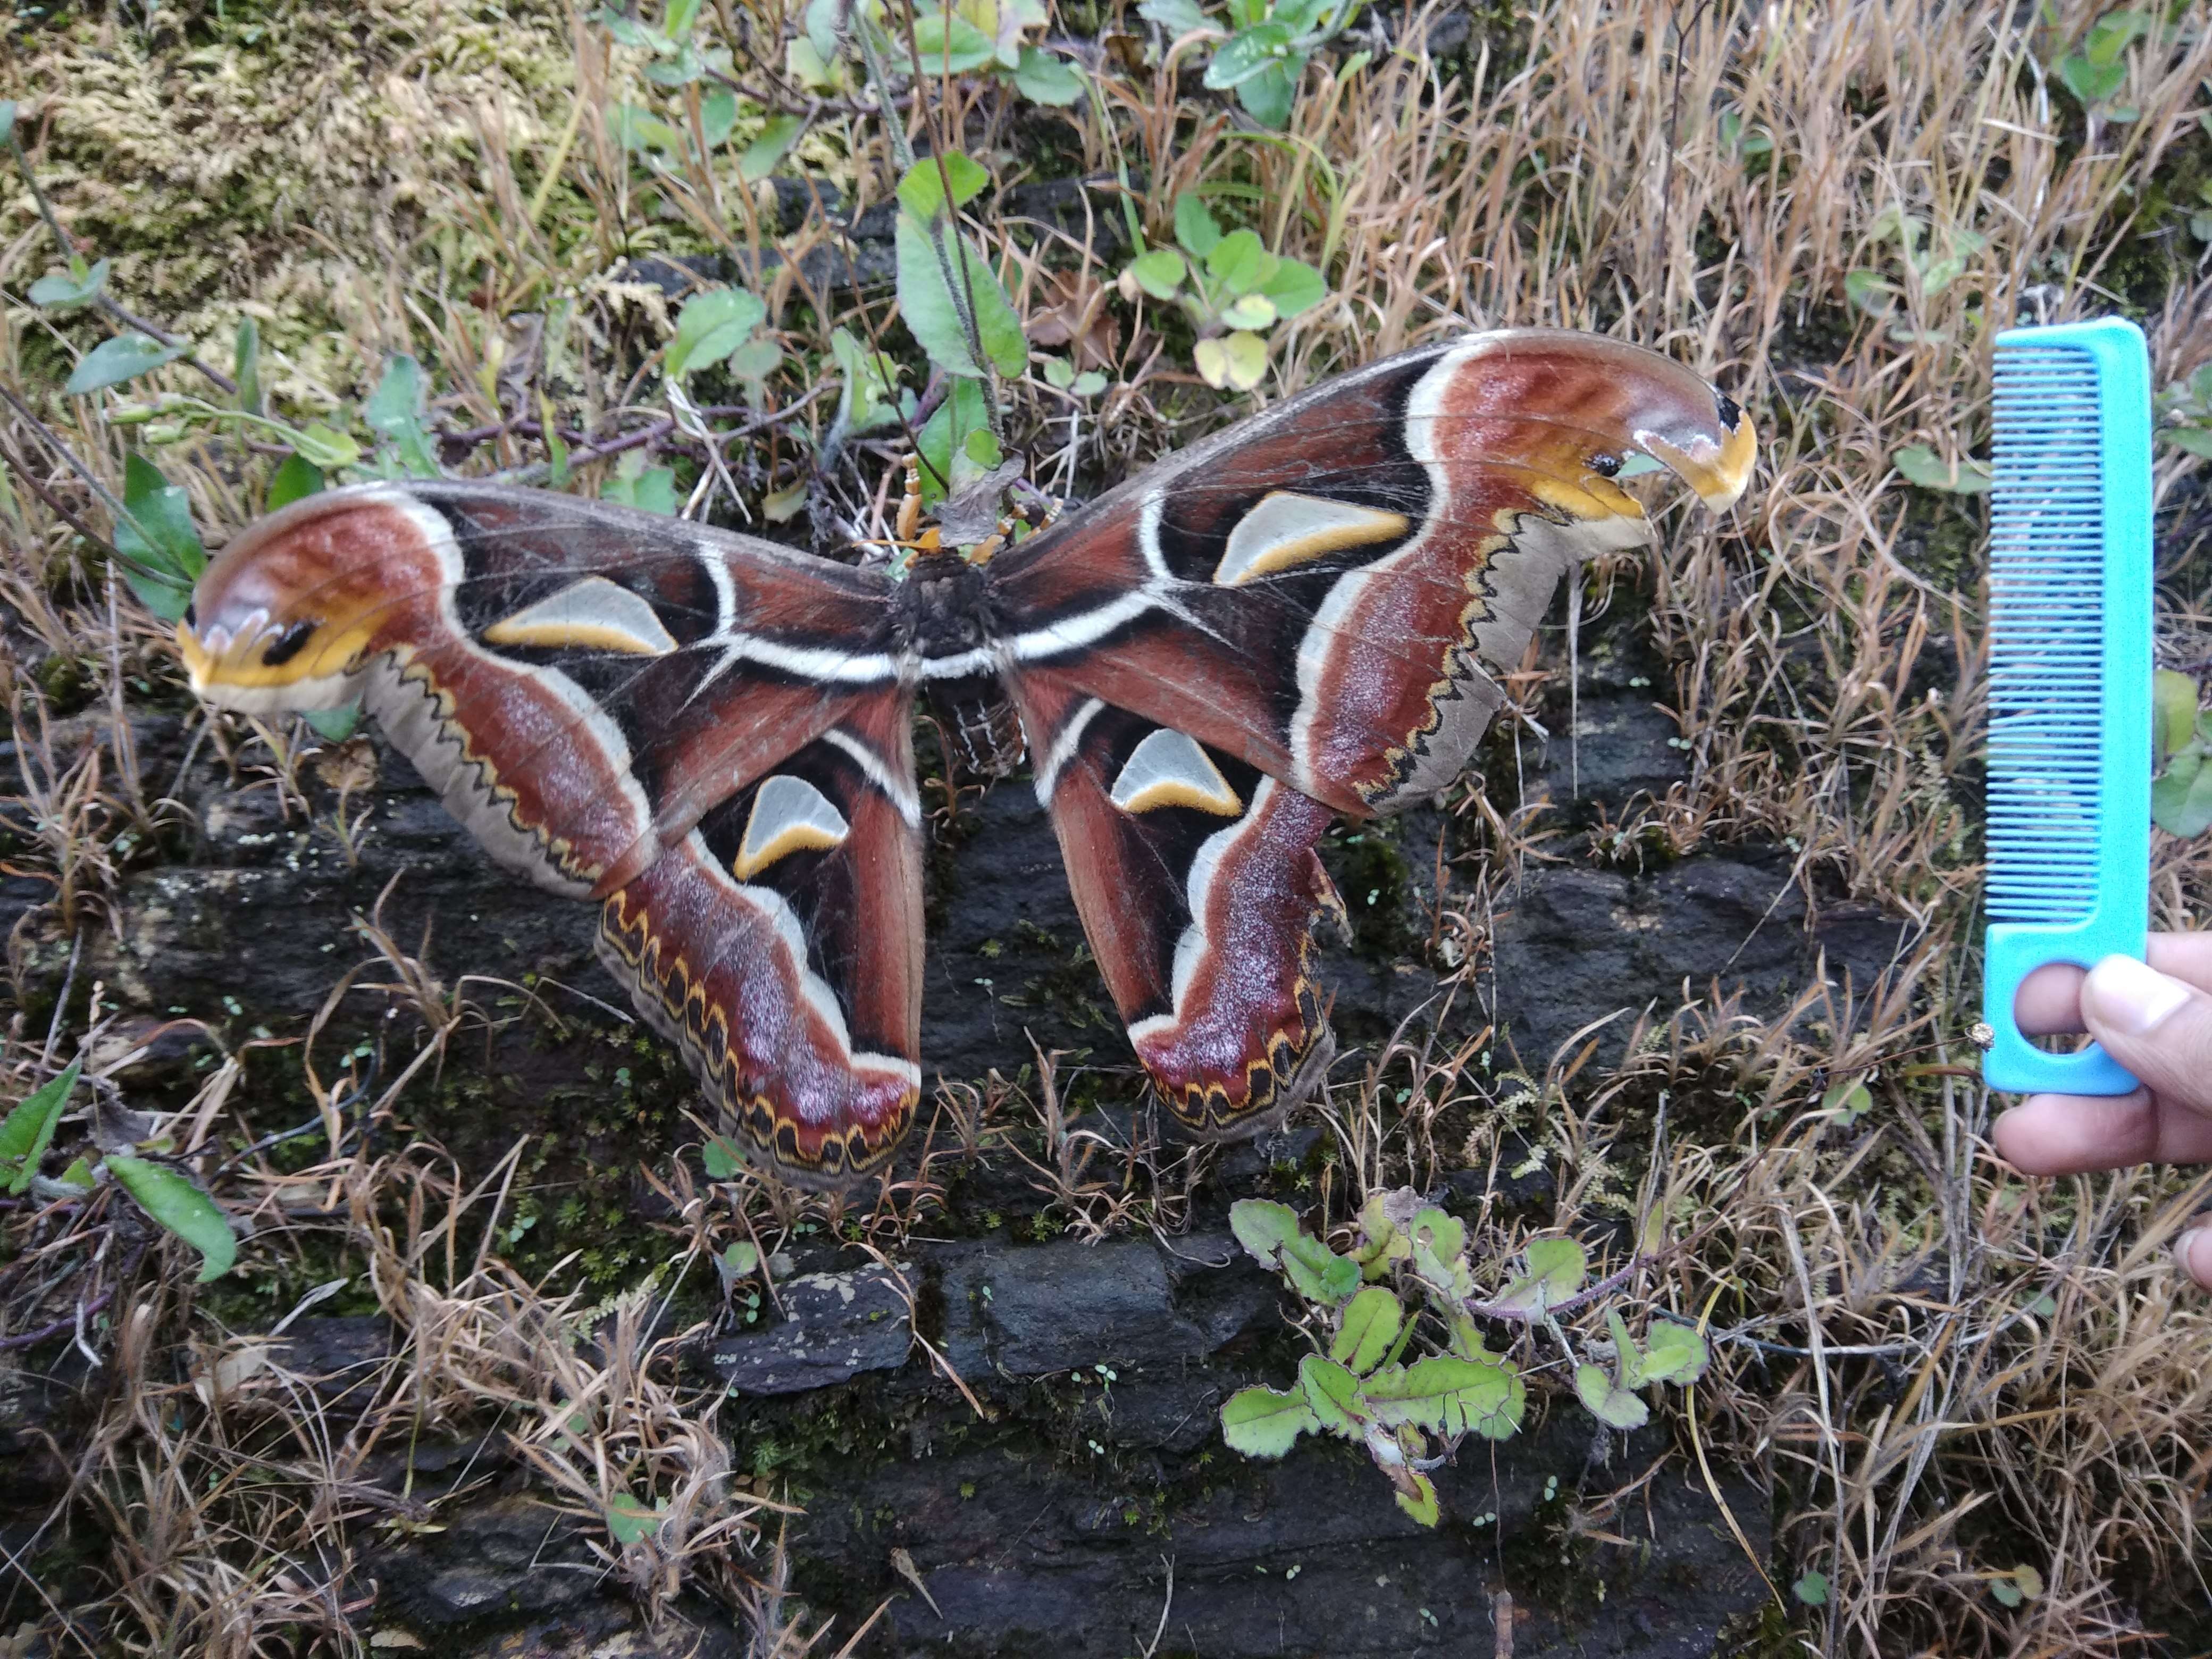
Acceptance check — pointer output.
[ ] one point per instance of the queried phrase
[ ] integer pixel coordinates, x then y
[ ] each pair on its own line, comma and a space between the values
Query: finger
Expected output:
2186, 957
2050, 999
2071, 1134
2192, 1251
2158, 1027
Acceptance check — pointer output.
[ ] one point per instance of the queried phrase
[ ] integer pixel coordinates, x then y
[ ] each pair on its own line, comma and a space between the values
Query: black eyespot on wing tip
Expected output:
288, 644
1728, 409
191, 614
1605, 465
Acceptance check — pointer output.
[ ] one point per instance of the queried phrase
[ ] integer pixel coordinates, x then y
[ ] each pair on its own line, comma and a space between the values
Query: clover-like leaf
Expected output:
178, 1206
2181, 800
629, 1521
1247, 53
949, 45
1263, 1422
1365, 1331
1261, 1226
1811, 1589
1317, 1272
1195, 228
1672, 1353
712, 327
1159, 271
1044, 79
1924, 467
1177, 17
1234, 361
2173, 700
394, 411
28, 1130
1237, 261
1607, 1401
1555, 1271
1293, 287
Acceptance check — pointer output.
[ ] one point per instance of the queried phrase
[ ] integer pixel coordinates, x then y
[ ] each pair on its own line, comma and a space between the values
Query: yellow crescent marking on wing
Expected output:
591, 615
789, 815
1168, 769
1286, 530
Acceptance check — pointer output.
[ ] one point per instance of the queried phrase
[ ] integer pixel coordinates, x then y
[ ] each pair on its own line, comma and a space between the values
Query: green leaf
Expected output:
1043, 79
1059, 373
1293, 287
1177, 17
1607, 1401
945, 436
1867, 291
7, 119
634, 129
1365, 1331
821, 26
741, 1258
926, 303
2173, 700
125, 357
718, 118
764, 155
296, 478
1265, 1422
2090, 81
755, 360
1250, 311
1448, 1395
950, 44
1420, 1502
1332, 1395
1922, 467
179, 1207
721, 1159
29, 1129
652, 489
866, 400
1159, 272
1194, 227
1812, 1590
1246, 53
1672, 1352
1555, 1271
2197, 439
246, 365
1234, 360
922, 193
2006, 1591
1262, 1226
679, 68
1090, 383
62, 291
675, 22
394, 410
629, 1522
1848, 1100
628, 32
1317, 1272
2181, 801
325, 448
1237, 261
1268, 95
78, 1174
334, 725
159, 533
711, 327
2110, 34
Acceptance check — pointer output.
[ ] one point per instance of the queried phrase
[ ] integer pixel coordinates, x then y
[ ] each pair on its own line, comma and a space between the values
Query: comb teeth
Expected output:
2046, 637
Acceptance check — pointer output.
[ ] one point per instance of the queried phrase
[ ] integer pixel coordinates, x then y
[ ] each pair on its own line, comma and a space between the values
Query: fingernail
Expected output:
2184, 1253
2132, 996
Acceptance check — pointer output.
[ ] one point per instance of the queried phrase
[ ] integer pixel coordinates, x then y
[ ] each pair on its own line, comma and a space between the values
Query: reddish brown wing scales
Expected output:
1197, 883
581, 682
1330, 591
779, 944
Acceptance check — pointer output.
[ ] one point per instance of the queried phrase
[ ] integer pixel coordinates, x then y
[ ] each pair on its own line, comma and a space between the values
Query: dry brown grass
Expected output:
1944, 1371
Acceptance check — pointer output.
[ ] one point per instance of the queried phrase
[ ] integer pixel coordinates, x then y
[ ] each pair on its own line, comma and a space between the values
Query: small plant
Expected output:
1267, 46
2096, 71
990, 36
2181, 795
1408, 1282
2184, 409
168, 1199
1232, 289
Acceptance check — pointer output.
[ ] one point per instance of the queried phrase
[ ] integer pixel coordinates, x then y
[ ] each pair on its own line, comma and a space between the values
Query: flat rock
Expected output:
834, 1327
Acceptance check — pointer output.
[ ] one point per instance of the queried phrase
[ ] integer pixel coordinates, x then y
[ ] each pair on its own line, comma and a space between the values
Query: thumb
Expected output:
2157, 1026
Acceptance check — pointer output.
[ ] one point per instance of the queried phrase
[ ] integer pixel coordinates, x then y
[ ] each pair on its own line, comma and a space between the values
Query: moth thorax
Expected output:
979, 723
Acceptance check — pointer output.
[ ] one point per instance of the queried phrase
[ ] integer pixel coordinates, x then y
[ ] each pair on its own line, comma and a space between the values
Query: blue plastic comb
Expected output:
2069, 679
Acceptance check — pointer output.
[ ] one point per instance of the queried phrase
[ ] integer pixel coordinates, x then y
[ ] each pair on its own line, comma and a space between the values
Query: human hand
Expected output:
2157, 1022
